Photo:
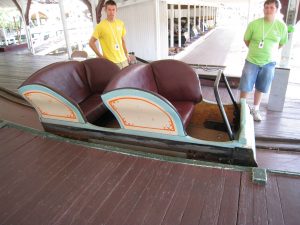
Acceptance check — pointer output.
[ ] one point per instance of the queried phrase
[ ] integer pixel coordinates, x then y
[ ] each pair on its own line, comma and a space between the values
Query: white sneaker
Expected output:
256, 115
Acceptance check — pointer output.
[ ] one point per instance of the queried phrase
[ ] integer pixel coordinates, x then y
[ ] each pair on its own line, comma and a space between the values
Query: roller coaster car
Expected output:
157, 105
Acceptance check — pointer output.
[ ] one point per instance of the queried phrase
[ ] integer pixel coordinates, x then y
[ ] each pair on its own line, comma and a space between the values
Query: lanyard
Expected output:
265, 35
113, 33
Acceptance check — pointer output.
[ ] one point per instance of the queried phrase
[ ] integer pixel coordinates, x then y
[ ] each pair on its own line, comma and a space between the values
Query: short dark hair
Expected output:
110, 2
276, 2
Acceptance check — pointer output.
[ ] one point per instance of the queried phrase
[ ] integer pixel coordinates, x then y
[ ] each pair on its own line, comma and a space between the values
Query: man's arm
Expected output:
125, 49
92, 44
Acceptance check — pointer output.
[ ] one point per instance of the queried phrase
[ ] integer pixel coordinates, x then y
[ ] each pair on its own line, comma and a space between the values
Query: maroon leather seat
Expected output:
171, 79
82, 83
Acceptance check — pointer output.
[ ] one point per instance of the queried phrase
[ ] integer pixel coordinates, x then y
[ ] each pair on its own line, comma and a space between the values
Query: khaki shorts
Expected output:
122, 64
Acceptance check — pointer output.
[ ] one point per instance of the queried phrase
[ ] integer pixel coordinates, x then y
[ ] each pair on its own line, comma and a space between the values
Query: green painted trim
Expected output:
2, 123
259, 175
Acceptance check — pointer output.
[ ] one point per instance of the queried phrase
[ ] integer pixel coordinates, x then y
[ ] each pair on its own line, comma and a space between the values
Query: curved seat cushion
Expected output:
66, 77
176, 81
99, 72
134, 76
93, 107
185, 110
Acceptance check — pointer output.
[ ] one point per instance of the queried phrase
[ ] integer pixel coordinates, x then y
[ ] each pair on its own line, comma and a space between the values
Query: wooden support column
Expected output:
203, 20
199, 20
65, 27
26, 23
195, 15
157, 25
189, 22
179, 25
172, 26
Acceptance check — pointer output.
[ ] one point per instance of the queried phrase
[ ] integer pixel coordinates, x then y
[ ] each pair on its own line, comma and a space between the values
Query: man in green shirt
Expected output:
263, 37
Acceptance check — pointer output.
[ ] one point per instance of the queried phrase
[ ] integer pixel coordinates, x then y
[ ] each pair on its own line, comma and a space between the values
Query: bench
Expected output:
172, 80
81, 83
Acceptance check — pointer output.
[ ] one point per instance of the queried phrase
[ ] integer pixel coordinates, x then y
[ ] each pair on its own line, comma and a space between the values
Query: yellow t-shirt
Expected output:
110, 36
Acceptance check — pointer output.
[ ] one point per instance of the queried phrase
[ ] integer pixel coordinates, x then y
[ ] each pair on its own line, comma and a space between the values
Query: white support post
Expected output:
203, 20
280, 82
199, 19
179, 25
189, 22
157, 25
65, 27
27, 30
215, 16
95, 21
4, 35
93, 12
195, 15
172, 26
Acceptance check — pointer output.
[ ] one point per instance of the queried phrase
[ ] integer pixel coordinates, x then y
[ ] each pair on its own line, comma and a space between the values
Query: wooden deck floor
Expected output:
46, 181
15, 68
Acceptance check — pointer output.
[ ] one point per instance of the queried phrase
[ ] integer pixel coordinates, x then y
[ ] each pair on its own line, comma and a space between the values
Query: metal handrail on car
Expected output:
220, 104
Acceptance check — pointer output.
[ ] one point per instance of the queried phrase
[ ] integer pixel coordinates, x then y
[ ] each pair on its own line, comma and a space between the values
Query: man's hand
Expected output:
128, 58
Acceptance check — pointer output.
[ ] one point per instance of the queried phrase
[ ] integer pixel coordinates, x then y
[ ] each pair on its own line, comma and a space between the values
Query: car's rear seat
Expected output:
171, 79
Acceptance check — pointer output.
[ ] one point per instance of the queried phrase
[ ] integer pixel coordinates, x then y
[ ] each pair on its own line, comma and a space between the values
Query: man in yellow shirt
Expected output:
110, 32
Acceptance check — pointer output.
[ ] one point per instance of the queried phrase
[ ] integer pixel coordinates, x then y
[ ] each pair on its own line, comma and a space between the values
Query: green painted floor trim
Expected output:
259, 175
2, 123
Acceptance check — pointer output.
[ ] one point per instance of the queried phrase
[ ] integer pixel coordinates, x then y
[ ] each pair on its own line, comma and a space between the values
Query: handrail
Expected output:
221, 107
237, 110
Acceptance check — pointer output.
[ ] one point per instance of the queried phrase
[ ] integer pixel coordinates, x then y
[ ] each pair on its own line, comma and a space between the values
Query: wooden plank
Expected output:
99, 196
10, 145
162, 200
289, 192
110, 210
275, 215
31, 180
213, 196
246, 202
279, 160
27, 154
197, 197
146, 200
230, 198
57, 200
72, 213
7, 134
179, 202
134, 194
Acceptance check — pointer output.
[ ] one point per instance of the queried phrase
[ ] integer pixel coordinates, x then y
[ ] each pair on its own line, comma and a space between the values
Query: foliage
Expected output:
10, 18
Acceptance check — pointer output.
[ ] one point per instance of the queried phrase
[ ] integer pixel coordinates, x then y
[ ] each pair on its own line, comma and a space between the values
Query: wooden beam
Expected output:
26, 15
88, 4
18, 6
99, 9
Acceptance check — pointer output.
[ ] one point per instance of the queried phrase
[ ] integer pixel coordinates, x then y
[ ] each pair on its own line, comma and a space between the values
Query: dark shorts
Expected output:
260, 76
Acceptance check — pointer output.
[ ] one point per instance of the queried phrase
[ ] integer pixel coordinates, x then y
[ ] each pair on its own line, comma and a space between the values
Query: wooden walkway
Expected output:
15, 68
48, 181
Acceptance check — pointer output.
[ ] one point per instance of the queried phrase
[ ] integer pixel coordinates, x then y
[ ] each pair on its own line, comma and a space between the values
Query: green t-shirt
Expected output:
275, 34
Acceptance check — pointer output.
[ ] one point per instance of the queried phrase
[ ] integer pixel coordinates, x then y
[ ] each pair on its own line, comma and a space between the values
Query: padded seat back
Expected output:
65, 77
134, 76
176, 81
99, 72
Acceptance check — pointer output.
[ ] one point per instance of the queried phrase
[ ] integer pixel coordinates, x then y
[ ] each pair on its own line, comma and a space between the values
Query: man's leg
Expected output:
257, 97
243, 94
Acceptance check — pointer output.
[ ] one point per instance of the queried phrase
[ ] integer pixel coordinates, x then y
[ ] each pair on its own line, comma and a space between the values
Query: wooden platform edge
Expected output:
126, 150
